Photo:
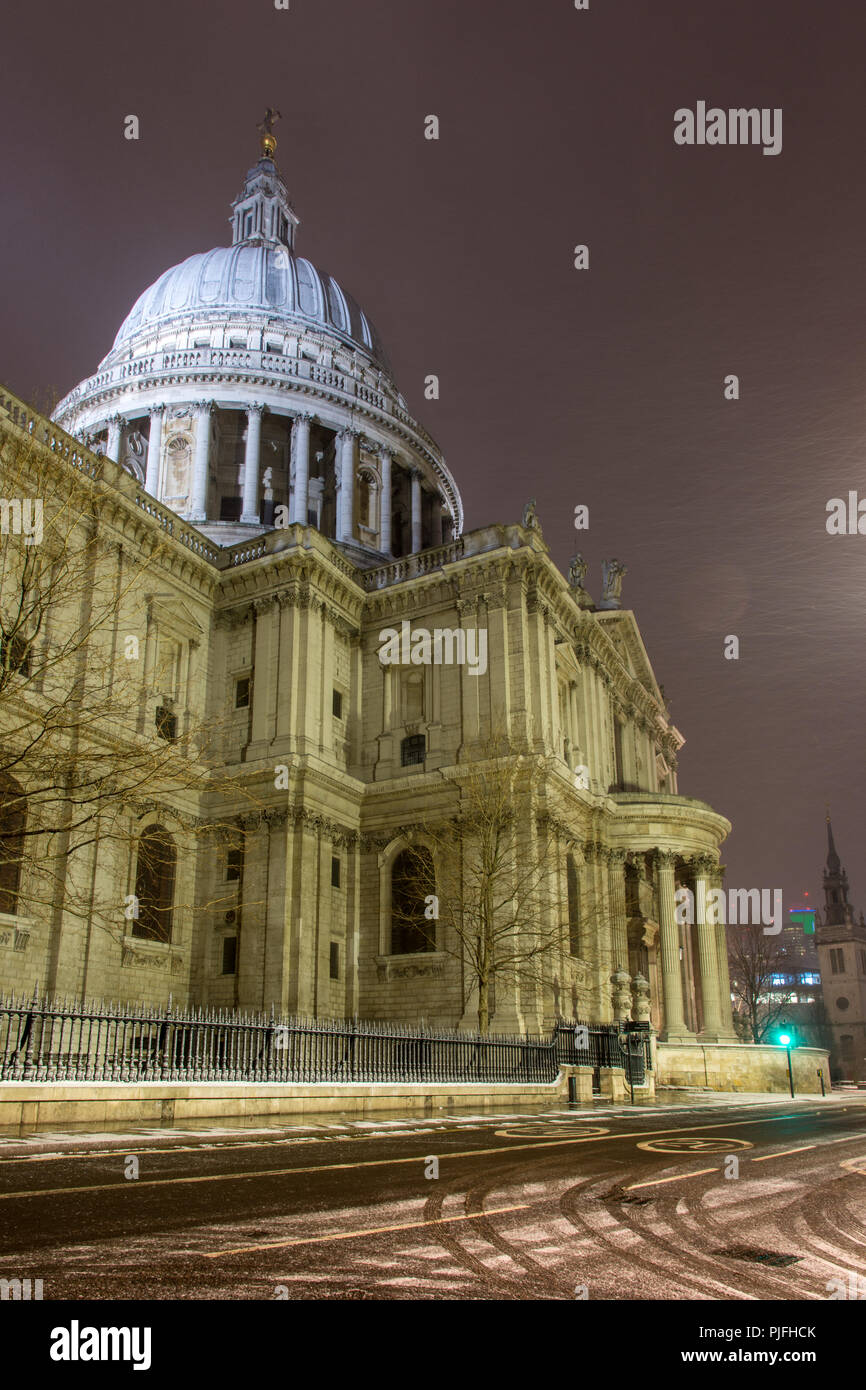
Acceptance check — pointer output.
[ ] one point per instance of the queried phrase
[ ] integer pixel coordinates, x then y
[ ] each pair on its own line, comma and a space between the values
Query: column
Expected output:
154, 450
385, 501
675, 1026
707, 949
198, 492
727, 1011
252, 463
115, 437
300, 501
345, 516
416, 510
618, 917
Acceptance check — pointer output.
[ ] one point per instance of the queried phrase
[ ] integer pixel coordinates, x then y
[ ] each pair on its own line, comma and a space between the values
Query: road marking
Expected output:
354, 1235
379, 1162
678, 1177
696, 1145
784, 1152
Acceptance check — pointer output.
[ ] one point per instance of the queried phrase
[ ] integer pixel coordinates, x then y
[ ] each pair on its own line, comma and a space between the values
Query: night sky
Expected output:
602, 387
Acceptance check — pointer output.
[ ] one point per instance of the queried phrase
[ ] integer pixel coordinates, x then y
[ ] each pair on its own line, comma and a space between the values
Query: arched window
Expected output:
154, 884
12, 818
573, 906
412, 881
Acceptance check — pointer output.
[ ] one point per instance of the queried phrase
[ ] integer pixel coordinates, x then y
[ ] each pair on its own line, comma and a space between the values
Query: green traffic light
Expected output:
784, 1039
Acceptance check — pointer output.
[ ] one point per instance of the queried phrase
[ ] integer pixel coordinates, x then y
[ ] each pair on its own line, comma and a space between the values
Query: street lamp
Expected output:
785, 1041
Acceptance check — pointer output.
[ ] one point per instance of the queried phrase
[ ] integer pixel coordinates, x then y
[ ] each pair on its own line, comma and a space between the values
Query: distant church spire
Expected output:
837, 910
262, 213
833, 861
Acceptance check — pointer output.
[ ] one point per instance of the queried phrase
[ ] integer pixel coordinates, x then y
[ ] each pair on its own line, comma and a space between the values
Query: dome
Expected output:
246, 390
251, 278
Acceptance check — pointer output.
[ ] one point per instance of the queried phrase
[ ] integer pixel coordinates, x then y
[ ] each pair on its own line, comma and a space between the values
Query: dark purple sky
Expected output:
602, 387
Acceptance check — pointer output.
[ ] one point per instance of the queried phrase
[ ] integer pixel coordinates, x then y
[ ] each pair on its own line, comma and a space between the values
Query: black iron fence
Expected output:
625, 1046
54, 1040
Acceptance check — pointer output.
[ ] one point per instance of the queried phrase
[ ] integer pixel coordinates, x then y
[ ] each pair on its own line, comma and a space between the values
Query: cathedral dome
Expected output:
250, 278
246, 390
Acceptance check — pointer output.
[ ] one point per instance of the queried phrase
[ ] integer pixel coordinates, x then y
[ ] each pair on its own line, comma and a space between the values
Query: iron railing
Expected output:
63, 1040
603, 1046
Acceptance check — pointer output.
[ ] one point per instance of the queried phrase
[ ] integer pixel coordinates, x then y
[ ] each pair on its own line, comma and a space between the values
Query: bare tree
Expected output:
478, 879
78, 761
757, 966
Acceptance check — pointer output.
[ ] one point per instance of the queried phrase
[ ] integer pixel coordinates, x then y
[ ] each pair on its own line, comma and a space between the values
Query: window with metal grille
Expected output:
166, 724
12, 817
412, 750
337, 704
335, 961
242, 692
335, 873
230, 955
154, 884
412, 880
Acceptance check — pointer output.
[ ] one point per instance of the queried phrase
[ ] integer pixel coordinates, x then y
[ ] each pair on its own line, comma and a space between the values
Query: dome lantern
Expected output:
262, 213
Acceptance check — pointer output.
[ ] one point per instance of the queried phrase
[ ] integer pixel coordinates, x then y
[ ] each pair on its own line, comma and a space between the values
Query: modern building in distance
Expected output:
797, 982
841, 944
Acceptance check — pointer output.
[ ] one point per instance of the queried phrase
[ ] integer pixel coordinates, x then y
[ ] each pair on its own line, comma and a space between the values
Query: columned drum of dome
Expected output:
247, 390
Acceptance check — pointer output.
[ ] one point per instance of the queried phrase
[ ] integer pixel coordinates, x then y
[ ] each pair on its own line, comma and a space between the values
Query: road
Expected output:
713, 1202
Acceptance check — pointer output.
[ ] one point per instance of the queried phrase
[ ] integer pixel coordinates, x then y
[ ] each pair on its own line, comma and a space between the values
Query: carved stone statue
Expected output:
530, 520
267, 484
577, 571
612, 577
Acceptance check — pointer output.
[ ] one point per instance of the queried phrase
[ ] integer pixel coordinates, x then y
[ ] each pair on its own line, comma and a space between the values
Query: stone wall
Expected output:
752, 1067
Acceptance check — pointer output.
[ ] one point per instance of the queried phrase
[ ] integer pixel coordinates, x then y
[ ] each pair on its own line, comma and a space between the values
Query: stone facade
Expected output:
245, 439
263, 643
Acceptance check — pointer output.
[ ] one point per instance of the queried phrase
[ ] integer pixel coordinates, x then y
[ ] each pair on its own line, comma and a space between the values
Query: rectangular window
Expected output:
242, 693
337, 704
412, 750
837, 960
233, 865
335, 873
166, 724
863, 961
335, 961
230, 955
